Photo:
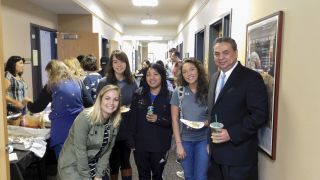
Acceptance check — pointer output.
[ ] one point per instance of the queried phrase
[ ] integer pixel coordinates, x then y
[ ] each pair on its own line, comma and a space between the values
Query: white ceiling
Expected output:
169, 12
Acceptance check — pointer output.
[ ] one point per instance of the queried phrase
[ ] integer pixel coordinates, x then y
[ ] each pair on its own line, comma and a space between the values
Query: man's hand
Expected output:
220, 137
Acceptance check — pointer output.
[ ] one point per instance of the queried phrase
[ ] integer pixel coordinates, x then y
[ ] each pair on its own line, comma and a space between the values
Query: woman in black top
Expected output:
151, 128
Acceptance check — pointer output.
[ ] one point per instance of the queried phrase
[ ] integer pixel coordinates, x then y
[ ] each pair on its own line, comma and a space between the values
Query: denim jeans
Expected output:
195, 164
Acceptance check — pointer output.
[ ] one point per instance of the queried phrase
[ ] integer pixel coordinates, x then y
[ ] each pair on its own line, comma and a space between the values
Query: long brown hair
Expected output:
202, 82
111, 77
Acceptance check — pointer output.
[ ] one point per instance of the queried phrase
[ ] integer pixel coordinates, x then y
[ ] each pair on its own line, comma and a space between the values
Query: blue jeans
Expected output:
195, 164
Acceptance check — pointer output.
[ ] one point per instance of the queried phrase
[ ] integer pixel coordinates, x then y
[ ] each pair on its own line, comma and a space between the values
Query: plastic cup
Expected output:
216, 127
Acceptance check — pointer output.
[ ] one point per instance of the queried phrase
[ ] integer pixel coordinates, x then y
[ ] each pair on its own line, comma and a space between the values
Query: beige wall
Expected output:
17, 16
75, 23
298, 136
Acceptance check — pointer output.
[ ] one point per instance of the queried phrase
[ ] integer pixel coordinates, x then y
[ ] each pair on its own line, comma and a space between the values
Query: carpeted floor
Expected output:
169, 173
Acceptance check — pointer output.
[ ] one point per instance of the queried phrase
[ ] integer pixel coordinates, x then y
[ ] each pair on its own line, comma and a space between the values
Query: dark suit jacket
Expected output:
242, 106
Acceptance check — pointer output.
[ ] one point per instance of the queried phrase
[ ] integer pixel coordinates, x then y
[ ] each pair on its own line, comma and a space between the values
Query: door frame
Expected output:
4, 163
225, 21
35, 45
197, 50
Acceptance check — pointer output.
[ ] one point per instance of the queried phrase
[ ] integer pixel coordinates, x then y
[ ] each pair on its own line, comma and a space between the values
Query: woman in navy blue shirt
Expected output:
151, 124
67, 97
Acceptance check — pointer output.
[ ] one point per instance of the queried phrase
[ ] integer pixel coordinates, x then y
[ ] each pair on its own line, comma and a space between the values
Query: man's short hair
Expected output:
172, 50
227, 40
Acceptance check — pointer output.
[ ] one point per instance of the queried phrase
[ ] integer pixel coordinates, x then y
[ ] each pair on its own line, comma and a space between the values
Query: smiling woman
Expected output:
151, 123
86, 152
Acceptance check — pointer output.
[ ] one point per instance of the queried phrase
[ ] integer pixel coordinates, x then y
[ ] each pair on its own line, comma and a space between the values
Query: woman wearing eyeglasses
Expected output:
190, 97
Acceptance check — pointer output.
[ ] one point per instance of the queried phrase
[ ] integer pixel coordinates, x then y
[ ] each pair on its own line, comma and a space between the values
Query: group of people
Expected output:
96, 142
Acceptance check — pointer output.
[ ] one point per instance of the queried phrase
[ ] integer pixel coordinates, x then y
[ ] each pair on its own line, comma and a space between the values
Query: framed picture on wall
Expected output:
263, 52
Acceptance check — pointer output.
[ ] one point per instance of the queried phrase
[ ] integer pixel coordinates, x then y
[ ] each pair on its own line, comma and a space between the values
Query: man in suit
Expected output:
242, 106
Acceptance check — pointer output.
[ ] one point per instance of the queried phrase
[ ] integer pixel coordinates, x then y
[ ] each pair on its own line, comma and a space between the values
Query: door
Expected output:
220, 28
199, 45
43, 50
4, 163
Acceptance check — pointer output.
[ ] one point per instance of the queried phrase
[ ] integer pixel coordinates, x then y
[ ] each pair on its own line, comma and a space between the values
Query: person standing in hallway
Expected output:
176, 63
119, 73
151, 131
189, 101
238, 99
169, 62
16, 87
68, 97
92, 77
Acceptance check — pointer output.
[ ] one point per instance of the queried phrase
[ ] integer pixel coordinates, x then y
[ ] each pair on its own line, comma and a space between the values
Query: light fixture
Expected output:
145, 3
149, 20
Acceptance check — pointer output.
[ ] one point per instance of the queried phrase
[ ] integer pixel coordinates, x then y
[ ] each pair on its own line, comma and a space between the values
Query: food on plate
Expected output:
124, 109
192, 124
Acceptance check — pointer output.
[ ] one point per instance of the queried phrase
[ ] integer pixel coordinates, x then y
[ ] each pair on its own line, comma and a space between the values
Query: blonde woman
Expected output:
75, 67
86, 152
67, 99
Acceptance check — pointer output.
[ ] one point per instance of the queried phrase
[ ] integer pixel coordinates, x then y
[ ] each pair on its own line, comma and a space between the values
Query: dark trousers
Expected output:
150, 163
120, 157
227, 172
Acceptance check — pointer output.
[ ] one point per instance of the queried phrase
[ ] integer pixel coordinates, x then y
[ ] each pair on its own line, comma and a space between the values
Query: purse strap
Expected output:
181, 90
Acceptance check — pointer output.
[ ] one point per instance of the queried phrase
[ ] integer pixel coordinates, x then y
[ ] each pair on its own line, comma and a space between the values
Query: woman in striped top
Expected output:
86, 152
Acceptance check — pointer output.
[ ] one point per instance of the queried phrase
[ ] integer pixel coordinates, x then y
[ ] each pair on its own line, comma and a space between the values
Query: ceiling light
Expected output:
145, 3
149, 21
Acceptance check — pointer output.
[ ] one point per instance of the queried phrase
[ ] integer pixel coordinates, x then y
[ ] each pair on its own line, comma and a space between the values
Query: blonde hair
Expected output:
95, 114
57, 72
74, 66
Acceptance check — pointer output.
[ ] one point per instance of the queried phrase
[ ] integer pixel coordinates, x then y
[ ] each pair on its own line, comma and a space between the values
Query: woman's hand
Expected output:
151, 117
181, 154
26, 100
97, 178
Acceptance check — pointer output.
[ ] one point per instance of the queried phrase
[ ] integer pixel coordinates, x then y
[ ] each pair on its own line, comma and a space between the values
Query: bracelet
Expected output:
178, 142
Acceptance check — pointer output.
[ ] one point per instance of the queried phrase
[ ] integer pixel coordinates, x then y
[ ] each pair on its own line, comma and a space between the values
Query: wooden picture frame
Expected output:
263, 53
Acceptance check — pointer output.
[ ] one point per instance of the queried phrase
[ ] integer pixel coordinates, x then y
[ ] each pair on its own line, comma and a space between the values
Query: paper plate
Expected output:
124, 109
193, 124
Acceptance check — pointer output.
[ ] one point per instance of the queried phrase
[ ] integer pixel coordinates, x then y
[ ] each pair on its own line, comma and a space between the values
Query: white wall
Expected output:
299, 110
17, 16
96, 8
158, 50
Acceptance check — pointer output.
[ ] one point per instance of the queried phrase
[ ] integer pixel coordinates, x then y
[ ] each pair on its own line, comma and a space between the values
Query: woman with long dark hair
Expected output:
119, 73
189, 102
16, 87
151, 131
